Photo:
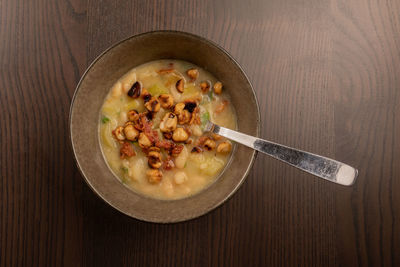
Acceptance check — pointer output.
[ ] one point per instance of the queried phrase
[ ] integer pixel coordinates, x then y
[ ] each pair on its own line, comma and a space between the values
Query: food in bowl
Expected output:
151, 129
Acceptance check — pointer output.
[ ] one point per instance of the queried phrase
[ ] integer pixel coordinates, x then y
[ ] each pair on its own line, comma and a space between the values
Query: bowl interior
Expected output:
96, 83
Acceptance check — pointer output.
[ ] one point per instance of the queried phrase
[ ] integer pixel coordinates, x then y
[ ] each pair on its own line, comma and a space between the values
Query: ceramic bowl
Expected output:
96, 82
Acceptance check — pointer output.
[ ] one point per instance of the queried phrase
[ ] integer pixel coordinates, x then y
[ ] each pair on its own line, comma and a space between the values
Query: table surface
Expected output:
327, 76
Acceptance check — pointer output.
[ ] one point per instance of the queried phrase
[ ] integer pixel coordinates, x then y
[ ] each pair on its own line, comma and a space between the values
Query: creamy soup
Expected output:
151, 129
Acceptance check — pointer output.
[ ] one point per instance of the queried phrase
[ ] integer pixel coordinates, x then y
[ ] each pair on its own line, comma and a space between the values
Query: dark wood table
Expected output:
327, 76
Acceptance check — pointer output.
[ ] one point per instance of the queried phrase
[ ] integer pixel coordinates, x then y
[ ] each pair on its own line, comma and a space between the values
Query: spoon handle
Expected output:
320, 166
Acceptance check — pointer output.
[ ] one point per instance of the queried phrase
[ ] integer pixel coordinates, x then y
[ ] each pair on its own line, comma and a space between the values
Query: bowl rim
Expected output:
205, 40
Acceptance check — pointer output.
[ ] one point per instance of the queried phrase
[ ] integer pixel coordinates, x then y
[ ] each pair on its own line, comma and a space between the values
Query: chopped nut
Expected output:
205, 86
135, 90
152, 135
128, 123
178, 108
192, 73
119, 133
190, 105
202, 140
180, 85
176, 150
184, 117
130, 132
195, 119
146, 96
126, 150
154, 159
224, 147
135, 118
167, 145
196, 149
154, 176
188, 130
167, 135
154, 148
153, 105
132, 114
209, 144
218, 88
180, 135
144, 141
168, 123
168, 164
216, 137
149, 115
142, 121
166, 100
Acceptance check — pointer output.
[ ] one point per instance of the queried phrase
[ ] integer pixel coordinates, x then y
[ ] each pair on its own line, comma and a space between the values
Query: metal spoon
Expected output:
320, 166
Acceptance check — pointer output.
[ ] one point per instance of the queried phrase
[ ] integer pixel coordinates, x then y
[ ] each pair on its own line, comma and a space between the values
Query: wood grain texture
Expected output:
327, 75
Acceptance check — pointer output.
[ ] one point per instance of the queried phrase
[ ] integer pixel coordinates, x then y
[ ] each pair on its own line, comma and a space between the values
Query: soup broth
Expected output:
151, 129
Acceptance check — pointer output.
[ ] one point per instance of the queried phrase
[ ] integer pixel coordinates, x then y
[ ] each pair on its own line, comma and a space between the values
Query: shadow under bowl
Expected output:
95, 85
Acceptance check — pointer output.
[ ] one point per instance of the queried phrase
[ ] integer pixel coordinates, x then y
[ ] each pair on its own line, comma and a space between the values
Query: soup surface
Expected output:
151, 129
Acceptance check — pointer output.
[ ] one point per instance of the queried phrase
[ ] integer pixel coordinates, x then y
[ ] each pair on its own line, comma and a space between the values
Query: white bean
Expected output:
117, 90
196, 130
168, 187
128, 80
180, 177
180, 160
138, 170
123, 117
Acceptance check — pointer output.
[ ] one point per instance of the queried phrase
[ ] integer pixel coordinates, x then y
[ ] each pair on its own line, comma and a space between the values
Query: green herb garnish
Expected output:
105, 119
124, 170
205, 117
210, 95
